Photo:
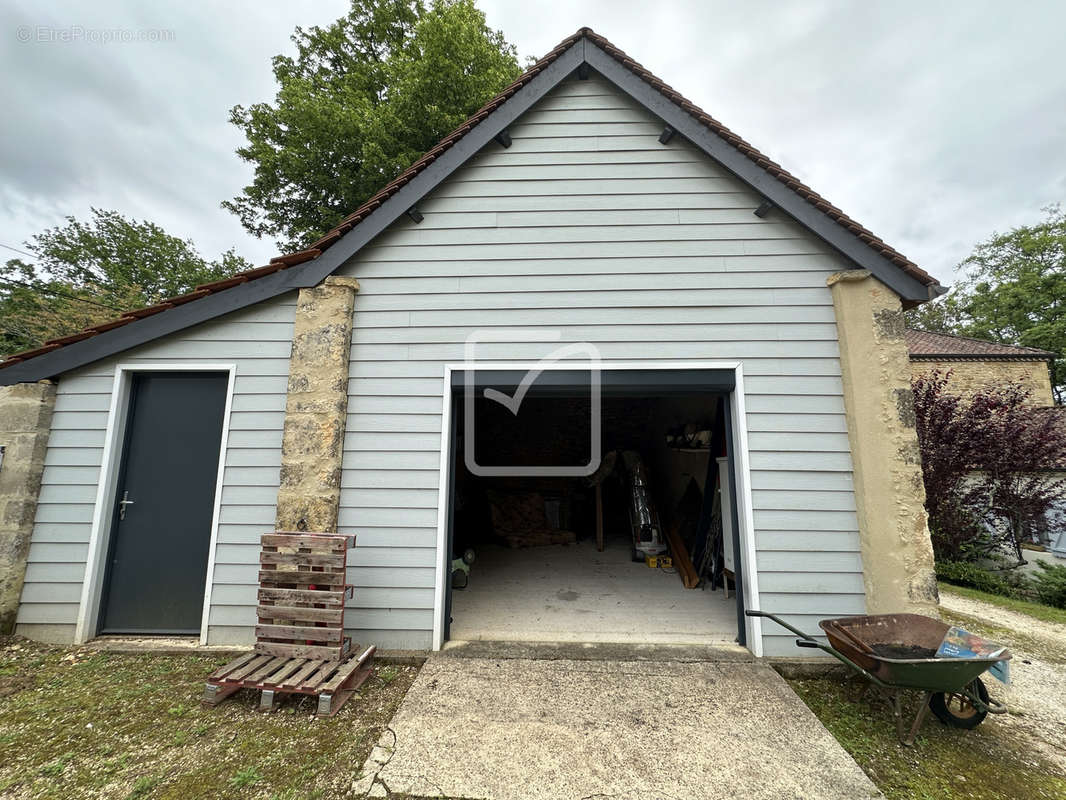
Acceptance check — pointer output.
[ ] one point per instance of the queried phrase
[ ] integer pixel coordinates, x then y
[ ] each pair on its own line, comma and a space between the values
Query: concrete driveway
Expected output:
621, 724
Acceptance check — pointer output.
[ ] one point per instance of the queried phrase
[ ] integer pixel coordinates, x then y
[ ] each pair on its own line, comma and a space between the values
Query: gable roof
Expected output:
581, 51
927, 346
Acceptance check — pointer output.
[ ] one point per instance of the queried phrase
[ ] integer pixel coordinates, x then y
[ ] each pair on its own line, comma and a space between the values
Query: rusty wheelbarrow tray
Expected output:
950, 686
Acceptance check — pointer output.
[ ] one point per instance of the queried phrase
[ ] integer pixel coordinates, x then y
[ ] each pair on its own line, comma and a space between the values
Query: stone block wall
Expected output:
316, 407
971, 376
25, 422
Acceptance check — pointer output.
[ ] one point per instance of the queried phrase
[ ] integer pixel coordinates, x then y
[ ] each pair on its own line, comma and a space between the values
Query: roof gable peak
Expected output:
584, 49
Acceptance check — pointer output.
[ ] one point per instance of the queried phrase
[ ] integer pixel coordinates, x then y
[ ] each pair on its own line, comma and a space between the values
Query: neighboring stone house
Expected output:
976, 364
590, 206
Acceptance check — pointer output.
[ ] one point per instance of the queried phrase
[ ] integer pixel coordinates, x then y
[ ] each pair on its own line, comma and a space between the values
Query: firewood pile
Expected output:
521, 519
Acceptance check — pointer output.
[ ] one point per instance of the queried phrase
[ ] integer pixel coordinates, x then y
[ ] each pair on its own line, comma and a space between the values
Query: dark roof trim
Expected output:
309, 268
756, 177
144, 330
931, 346
981, 357
444, 165
309, 273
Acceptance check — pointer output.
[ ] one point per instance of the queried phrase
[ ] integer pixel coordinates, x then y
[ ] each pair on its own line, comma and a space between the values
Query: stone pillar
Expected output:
311, 449
897, 554
25, 422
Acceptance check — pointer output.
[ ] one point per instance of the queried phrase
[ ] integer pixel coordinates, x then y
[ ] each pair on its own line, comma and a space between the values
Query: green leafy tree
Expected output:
83, 273
362, 100
1013, 291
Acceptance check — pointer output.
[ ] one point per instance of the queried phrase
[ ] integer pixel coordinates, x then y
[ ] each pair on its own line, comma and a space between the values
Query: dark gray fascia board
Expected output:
144, 330
979, 357
310, 273
314, 272
848, 245
613, 382
450, 160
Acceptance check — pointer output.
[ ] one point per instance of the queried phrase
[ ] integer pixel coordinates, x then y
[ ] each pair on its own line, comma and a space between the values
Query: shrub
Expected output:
965, 573
1049, 583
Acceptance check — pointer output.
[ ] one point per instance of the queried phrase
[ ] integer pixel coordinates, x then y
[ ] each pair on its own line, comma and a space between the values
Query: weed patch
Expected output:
91, 724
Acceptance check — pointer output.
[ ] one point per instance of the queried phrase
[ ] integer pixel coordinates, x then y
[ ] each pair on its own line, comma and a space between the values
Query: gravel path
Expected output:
1036, 698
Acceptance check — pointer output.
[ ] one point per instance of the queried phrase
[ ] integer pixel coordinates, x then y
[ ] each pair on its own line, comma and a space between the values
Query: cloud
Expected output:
141, 127
932, 124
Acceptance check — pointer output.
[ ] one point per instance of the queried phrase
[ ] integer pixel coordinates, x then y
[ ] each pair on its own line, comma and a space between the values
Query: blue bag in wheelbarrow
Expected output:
959, 643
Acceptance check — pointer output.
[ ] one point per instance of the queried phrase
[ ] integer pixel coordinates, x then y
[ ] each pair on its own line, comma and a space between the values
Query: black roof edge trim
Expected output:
312, 273
451, 159
838, 237
146, 329
642, 382
980, 357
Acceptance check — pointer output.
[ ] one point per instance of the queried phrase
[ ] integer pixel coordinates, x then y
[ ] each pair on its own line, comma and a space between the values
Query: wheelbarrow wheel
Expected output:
958, 710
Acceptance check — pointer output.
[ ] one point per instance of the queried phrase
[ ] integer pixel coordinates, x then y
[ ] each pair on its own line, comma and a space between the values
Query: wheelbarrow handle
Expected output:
782, 623
809, 641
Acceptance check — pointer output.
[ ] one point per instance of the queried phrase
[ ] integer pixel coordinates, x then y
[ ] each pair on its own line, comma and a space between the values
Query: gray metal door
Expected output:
161, 531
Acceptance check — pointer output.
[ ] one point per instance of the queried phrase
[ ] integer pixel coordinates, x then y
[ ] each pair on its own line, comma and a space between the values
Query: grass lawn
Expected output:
945, 763
1036, 610
81, 723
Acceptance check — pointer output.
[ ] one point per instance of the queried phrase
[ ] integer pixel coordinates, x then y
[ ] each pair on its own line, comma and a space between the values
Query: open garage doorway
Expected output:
645, 547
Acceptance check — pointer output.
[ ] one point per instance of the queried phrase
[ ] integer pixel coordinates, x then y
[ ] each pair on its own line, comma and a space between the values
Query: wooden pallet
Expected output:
333, 682
302, 591
300, 643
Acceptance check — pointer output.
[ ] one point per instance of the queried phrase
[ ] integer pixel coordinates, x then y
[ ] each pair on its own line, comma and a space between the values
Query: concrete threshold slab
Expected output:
596, 651
566, 729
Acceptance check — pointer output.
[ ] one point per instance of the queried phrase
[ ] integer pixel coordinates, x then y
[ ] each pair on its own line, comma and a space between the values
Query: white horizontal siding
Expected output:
257, 340
588, 226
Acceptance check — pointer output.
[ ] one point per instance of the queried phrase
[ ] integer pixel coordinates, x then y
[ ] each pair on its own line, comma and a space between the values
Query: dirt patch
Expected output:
89, 724
12, 684
1036, 698
1052, 632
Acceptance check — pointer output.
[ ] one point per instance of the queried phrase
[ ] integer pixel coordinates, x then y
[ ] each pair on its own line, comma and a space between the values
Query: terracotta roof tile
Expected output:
37, 351
74, 337
196, 294
361, 213
111, 324
931, 346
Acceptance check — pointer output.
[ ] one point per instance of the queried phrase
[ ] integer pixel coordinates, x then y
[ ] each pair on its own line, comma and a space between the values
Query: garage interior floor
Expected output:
577, 594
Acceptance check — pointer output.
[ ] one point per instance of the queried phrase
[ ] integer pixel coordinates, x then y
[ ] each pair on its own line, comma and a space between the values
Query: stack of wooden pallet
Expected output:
300, 643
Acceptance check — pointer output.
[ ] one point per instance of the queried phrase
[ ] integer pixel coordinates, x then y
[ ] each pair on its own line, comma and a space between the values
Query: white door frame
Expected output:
742, 469
110, 465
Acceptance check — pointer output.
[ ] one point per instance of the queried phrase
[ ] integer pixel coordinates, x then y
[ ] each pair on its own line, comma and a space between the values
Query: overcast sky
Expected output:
933, 124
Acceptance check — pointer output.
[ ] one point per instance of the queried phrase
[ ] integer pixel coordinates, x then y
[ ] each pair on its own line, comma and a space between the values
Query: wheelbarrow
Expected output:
895, 653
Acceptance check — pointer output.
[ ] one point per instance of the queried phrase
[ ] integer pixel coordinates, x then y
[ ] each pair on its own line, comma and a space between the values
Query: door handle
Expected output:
122, 505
